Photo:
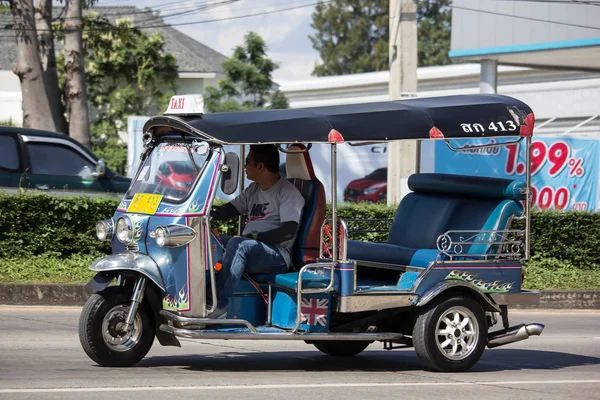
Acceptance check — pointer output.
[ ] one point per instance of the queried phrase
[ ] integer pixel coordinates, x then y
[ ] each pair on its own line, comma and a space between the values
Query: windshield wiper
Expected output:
189, 151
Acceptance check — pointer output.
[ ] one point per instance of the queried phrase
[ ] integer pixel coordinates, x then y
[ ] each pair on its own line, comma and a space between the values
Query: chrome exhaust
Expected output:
513, 334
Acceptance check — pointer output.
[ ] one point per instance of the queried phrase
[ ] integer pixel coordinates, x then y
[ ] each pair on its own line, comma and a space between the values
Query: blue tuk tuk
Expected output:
449, 271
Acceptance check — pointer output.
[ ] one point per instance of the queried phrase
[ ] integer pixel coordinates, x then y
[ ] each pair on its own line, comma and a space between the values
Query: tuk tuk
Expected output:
449, 271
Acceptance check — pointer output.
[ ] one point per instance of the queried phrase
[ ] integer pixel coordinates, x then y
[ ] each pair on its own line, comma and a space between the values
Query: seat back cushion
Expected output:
441, 202
300, 172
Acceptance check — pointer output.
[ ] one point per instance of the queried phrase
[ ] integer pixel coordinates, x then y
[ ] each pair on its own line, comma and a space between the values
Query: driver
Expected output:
274, 207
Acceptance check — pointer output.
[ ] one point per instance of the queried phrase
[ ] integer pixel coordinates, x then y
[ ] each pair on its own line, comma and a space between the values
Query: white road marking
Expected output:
290, 386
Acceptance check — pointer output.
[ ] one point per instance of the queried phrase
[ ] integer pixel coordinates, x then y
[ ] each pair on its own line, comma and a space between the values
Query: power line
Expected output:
525, 18
163, 25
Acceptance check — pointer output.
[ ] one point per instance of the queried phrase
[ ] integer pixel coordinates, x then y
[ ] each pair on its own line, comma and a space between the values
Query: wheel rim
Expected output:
112, 333
457, 333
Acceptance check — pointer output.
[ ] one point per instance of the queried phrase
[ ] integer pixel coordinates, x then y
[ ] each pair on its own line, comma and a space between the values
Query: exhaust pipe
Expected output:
513, 334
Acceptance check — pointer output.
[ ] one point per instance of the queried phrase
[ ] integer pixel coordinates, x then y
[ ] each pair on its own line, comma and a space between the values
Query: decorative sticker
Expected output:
314, 311
483, 285
145, 203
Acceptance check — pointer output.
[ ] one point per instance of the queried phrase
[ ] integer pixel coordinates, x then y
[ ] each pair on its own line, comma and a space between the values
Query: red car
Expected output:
371, 188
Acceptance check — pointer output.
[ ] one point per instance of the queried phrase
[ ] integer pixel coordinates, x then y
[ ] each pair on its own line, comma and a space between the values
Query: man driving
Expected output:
274, 207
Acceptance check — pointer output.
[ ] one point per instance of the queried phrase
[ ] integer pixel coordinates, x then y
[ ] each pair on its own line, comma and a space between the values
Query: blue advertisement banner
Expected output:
565, 172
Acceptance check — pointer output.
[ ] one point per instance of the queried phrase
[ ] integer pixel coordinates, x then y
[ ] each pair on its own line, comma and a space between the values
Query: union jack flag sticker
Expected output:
314, 311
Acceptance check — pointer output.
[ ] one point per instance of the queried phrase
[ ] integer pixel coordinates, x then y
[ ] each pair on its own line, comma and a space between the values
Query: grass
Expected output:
47, 268
50, 268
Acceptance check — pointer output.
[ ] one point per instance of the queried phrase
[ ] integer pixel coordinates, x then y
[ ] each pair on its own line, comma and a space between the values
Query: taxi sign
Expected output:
144, 203
186, 105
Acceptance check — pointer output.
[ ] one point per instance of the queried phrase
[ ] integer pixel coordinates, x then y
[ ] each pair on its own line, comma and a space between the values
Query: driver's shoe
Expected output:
219, 313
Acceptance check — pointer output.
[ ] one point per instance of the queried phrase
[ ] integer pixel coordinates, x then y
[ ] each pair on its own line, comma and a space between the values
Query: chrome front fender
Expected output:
131, 261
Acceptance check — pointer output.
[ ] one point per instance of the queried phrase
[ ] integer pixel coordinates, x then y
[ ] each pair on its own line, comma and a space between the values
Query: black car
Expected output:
33, 159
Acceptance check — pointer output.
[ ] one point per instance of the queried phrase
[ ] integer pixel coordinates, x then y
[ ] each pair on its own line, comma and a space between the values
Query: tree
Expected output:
75, 91
352, 36
127, 73
47, 52
36, 104
434, 19
248, 85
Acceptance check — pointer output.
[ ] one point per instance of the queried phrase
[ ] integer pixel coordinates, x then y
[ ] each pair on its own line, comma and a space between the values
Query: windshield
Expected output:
169, 171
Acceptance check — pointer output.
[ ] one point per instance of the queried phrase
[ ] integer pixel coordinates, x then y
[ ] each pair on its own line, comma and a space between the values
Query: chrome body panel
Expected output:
375, 301
131, 261
526, 297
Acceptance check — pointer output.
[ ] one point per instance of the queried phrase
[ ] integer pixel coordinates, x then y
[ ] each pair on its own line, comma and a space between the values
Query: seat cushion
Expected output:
379, 252
309, 280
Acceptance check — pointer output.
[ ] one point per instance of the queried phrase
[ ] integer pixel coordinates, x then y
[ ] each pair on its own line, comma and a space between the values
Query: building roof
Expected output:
191, 55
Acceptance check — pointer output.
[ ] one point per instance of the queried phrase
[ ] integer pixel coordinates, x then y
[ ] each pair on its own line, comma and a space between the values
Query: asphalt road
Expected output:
41, 358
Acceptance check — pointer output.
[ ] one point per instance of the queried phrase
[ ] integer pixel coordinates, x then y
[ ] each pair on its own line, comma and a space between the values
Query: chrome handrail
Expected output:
343, 245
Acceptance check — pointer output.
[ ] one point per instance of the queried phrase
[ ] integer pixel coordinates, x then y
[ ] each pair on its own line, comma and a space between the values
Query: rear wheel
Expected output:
101, 329
342, 348
451, 335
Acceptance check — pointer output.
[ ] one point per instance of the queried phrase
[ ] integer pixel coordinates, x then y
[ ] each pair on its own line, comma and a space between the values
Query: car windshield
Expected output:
378, 175
171, 170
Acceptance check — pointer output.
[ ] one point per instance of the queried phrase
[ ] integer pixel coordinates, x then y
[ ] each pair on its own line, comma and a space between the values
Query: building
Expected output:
565, 102
199, 65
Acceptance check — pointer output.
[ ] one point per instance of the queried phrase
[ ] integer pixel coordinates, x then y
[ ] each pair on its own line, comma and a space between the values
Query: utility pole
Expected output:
402, 156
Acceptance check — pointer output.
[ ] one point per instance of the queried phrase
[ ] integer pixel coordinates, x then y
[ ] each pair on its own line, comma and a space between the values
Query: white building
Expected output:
564, 102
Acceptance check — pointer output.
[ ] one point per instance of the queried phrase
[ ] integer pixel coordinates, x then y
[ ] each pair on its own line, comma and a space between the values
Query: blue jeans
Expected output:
242, 254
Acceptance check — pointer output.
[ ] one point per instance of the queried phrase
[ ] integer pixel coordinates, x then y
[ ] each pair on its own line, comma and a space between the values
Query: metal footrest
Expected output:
247, 334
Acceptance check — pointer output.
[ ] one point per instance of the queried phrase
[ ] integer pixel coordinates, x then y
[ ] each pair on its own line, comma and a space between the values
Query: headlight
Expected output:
160, 234
173, 235
125, 230
370, 190
105, 230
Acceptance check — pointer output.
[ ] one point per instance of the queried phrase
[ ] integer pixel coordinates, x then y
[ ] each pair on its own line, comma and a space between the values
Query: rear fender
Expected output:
460, 288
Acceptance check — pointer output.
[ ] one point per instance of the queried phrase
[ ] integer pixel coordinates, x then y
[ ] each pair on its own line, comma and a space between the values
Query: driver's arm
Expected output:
226, 211
275, 236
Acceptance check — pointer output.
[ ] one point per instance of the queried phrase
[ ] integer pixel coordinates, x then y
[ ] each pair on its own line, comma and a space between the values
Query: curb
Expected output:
76, 295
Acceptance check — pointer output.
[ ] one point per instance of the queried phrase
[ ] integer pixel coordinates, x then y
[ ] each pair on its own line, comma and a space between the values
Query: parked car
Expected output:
371, 188
40, 160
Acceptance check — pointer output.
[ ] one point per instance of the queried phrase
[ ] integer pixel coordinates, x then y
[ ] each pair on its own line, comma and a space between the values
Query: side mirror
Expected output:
231, 172
100, 169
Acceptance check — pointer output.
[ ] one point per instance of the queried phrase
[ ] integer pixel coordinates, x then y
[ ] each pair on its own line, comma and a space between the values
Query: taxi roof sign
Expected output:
186, 105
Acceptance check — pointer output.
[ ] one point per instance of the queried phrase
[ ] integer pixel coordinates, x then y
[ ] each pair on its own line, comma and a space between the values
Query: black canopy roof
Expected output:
467, 116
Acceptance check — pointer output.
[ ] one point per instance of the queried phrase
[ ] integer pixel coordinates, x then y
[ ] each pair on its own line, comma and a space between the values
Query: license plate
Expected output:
145, 203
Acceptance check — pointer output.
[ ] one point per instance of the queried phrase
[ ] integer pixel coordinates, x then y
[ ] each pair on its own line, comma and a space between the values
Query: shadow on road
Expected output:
394, 361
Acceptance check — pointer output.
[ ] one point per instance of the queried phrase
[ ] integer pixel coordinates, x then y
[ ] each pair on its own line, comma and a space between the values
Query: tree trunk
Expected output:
36, 108
75, 91
43, 23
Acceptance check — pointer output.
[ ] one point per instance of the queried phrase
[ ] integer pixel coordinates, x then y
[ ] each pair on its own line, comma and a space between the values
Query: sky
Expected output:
285, 33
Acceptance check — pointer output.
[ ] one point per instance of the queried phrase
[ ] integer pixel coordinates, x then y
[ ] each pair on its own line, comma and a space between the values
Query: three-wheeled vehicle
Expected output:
451, 266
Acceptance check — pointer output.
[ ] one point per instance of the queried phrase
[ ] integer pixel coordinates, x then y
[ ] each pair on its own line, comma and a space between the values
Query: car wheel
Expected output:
451, 334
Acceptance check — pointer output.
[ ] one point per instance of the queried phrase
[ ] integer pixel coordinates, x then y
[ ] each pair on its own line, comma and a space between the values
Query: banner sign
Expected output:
564, 171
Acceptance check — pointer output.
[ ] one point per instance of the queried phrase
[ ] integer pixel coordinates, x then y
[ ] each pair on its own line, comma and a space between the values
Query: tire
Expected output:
99, 335
466, 342
347, 348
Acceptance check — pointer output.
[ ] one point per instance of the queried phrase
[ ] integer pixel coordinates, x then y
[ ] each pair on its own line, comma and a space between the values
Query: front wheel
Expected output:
342, 348
451, 335
101, 334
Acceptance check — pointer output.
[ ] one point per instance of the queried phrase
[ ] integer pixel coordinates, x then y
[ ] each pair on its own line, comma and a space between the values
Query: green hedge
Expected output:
38, 230
34, 224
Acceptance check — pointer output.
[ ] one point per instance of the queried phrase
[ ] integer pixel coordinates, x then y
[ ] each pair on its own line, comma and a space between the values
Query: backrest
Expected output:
300, 171
444, 202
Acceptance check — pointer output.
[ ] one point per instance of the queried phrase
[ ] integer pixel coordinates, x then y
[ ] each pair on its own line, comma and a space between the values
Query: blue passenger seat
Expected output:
440, 203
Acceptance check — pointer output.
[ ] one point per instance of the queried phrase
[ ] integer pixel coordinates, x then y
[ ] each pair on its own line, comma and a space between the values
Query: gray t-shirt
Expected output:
269, 209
